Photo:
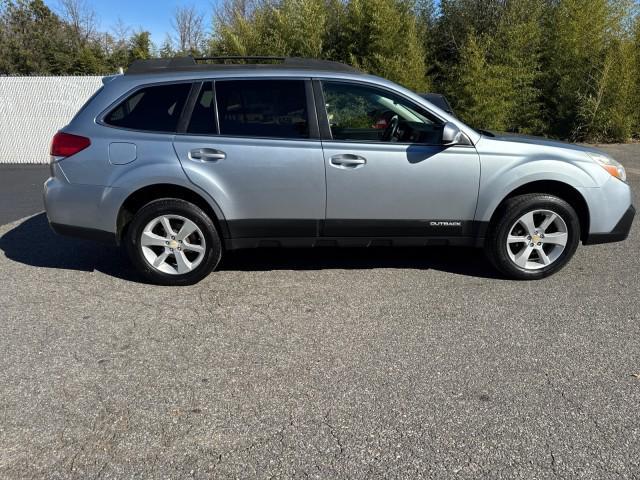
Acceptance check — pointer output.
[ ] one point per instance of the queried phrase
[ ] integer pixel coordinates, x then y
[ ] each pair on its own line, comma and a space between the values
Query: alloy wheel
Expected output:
537, 239
173, 244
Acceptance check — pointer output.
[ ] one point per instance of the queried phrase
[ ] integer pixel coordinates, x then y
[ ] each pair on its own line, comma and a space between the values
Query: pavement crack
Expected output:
332, 432
554, 466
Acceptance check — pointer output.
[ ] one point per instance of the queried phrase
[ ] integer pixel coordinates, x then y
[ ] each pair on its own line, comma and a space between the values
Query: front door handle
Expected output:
348, 160
207, 154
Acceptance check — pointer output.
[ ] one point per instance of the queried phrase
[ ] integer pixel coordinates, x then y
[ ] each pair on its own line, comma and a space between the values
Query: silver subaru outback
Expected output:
182, 159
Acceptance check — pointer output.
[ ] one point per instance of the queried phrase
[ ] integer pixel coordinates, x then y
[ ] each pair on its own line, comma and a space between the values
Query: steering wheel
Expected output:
391, 130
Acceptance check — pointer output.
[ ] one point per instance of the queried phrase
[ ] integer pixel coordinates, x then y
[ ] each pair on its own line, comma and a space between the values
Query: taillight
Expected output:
65, 144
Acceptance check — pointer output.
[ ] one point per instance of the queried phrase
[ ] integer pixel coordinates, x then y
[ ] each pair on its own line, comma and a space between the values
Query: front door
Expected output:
388, 173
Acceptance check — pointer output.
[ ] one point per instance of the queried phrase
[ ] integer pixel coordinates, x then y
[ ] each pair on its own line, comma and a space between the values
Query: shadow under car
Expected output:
33, 243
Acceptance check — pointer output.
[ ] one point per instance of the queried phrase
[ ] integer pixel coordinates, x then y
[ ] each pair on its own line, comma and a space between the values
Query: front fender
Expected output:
500, 178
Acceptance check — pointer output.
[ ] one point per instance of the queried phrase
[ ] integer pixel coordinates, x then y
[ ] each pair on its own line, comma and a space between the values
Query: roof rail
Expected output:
318, 64
206, 63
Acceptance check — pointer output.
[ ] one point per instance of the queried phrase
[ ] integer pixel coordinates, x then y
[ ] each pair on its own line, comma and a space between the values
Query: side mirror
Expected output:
452, 135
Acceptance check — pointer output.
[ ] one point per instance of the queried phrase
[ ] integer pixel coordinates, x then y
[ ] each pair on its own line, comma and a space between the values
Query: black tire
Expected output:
182, 208
509, 213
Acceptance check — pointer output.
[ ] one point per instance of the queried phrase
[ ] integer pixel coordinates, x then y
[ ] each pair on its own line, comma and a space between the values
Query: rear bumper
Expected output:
78, 210
619, 233
84, 233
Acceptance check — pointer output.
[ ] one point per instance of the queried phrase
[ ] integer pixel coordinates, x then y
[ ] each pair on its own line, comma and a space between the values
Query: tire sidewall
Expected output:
185, 209
516, 209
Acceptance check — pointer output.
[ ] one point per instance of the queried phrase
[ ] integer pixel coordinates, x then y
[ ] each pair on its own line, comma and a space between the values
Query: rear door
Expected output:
388, 173
254, 147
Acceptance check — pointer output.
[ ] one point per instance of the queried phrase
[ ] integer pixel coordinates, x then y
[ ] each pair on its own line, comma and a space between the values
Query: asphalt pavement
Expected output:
324, 363
21, 191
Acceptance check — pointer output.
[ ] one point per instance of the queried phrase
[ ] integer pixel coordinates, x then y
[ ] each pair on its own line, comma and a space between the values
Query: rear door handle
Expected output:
348, 160
207, 154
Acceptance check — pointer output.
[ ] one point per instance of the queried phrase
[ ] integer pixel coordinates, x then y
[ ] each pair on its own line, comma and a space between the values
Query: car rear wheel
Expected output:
173, 242
533, 236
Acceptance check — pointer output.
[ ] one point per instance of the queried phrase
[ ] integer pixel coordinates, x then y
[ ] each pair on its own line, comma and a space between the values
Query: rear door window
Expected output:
262, 108
155, 109
202, 120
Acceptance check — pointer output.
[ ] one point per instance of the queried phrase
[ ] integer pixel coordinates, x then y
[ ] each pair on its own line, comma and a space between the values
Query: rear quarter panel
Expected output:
155, 158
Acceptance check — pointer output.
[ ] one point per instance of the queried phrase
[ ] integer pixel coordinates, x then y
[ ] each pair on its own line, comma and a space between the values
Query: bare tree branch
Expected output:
188, 25
81, 17
121, 32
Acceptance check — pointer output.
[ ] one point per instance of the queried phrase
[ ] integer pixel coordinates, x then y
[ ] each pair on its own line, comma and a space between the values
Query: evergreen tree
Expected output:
140, 46
457, 19
236, 31
479, 89
378, 36
635, 103
166, 49
381, 37
517, 48
495, 83
426, 21
89, 60
286, 27
583, 61
33, 39
295, 28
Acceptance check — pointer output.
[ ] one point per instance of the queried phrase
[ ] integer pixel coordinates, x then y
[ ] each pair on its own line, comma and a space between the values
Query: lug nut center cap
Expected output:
173, 244
535, 239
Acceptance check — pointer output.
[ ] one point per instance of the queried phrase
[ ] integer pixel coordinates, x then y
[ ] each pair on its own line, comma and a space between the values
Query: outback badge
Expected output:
445, 224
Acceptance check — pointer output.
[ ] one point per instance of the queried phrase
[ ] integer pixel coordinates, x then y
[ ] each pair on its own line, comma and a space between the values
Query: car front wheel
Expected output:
533, 236
173, 242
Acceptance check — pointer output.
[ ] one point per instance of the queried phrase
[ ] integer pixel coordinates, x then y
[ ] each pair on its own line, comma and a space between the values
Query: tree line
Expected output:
563, 68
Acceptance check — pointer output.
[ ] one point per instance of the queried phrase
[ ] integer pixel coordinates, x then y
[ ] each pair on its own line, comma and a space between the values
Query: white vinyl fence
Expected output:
32, 109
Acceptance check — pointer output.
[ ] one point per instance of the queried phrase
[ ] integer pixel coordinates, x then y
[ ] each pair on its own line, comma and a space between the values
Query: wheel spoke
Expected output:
528, 223
173, 237
188, 227
521, 245
160, 259
548, 220
150, 239
544, 257
183, 264
522, 257
167, 226
192, 247
516, 239
559, 238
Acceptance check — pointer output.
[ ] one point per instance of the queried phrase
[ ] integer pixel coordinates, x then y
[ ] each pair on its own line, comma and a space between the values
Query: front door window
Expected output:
367, 114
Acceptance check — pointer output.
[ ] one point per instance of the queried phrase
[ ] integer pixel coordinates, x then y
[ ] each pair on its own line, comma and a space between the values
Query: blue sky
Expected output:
152, 15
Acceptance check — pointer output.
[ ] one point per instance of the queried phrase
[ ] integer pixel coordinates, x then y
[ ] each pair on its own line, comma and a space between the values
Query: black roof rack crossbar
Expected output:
154, 64
239, 57
157, 65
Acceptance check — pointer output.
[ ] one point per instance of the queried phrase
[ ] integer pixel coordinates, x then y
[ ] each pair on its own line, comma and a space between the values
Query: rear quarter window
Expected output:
155, 109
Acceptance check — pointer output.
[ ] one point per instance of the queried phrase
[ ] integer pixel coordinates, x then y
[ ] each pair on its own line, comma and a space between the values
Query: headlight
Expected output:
609, 164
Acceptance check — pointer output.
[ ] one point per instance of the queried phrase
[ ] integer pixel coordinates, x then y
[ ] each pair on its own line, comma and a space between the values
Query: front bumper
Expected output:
619, 233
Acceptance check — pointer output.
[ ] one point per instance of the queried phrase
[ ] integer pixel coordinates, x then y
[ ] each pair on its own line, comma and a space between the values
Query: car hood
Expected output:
544, 142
